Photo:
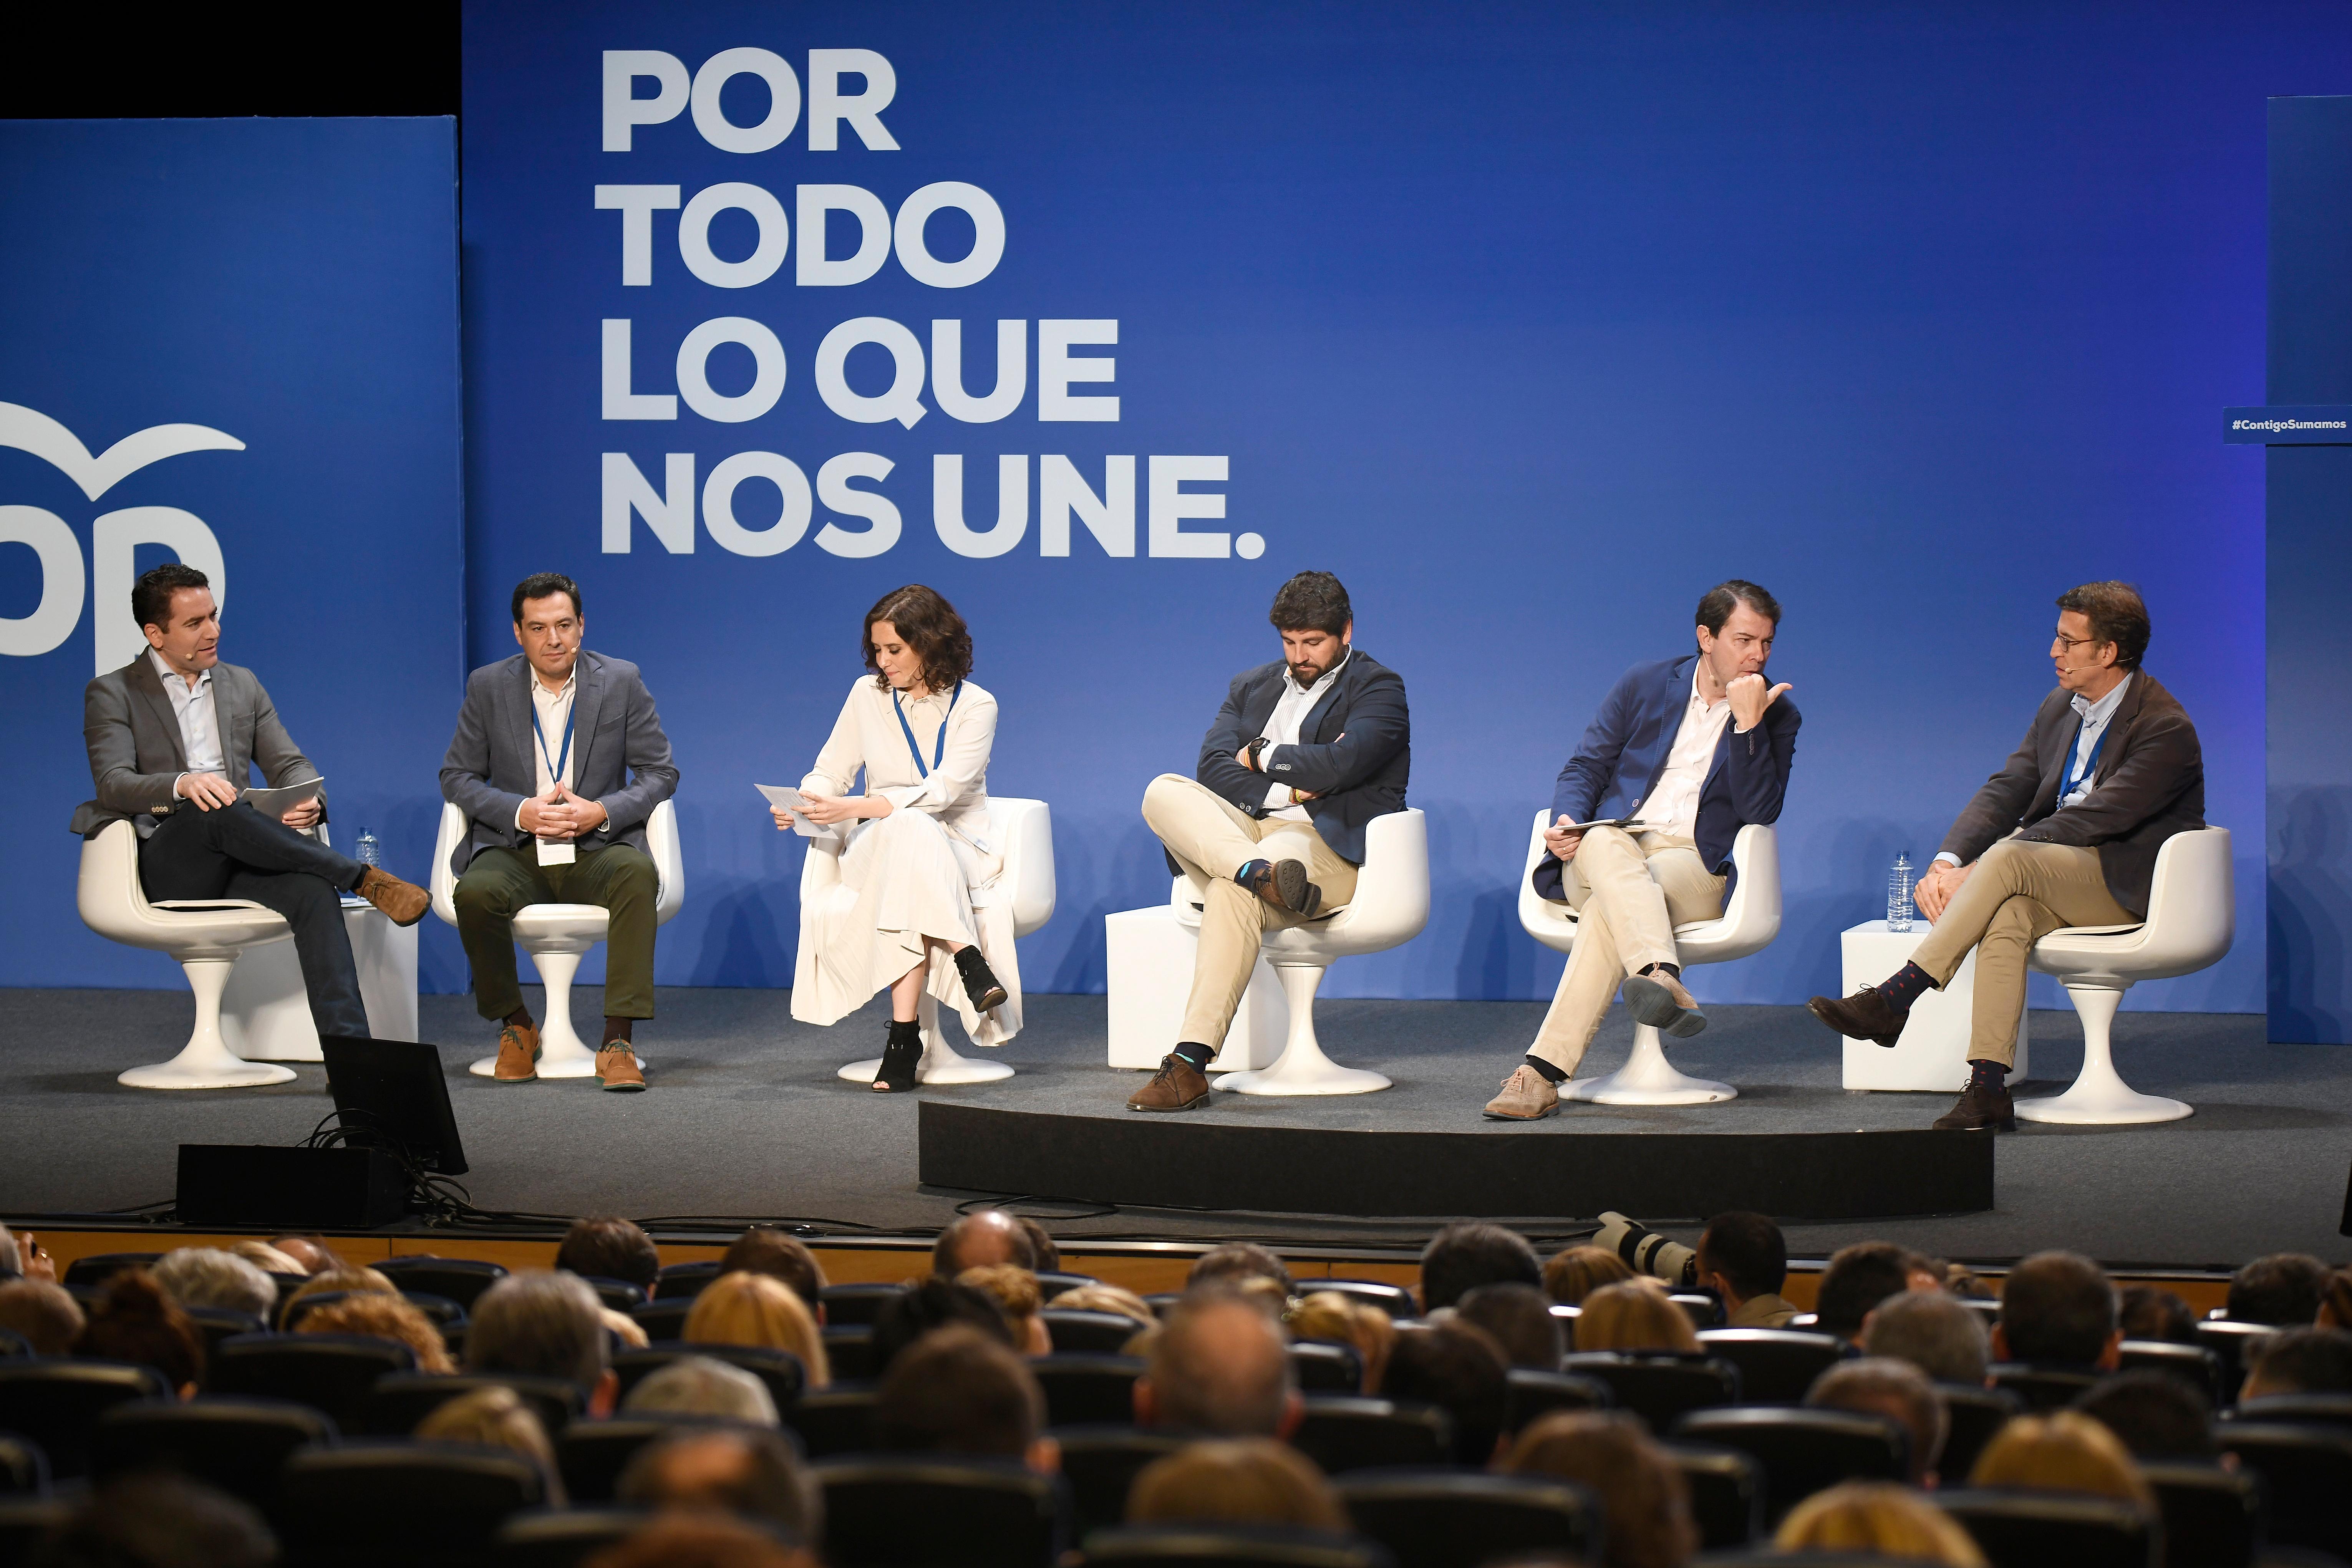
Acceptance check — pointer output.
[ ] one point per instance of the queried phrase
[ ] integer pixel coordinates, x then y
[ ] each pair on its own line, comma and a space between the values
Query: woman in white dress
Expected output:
916, 907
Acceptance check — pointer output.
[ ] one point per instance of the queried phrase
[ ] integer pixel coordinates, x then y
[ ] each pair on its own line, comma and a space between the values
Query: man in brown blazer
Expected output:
2064, 835
173, 737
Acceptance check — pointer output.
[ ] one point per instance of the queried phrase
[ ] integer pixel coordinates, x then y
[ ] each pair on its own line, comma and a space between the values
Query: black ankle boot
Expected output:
980, 981
901, 1056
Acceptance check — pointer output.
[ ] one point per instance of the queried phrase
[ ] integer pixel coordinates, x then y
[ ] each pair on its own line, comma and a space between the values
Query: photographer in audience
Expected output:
2283, 1290
607, 1248
1644, 1498
1879, 1386
2299, 1360
1744, 1258
1236, 1481
1465, 1256
205, 1277
700, 1386
1218, 1367
546, 1325
2058, 1311
1933, 1332
957, 1391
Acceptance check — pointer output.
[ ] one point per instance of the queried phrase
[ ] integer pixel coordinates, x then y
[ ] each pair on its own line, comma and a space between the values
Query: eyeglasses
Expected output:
2070, 644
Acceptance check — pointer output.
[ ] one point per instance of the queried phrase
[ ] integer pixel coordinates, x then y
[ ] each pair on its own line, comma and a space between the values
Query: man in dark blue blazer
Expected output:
1304, 752
1686, 752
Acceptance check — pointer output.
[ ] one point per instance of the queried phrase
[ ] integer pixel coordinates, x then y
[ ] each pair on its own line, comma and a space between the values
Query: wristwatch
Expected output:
1254, 751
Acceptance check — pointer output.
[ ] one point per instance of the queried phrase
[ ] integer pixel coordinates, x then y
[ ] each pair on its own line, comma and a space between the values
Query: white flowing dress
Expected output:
927, 870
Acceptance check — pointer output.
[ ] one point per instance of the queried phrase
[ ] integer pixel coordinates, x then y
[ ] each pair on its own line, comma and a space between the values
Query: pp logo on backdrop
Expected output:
115, 536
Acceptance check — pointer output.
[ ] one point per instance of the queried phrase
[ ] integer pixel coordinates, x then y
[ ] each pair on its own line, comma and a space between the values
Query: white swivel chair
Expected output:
557, 936
1025, 830
2191, 920
1391, 906
1750, 919
205, 935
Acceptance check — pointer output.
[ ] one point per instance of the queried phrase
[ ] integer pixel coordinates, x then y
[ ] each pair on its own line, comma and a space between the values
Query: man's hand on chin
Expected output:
1749, 698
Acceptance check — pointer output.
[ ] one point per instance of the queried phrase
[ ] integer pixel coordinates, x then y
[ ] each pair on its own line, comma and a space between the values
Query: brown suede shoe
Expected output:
1865, 1016
1985, 1110
1177, 1086
617, 1070
1284, 884
1528, 1096
406, 903
518, 1054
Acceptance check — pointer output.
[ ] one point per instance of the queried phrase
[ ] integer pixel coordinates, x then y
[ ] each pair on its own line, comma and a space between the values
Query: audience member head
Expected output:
1465, 1256
1934, 1332
1634, 1315
1579, 1271
681, 1541
1218, 1367
750, 1473
1519, 1319
2157, 1415
700, 1386
495, 1418
1235, 1264
1859, 1278
334, 1281
2065, 1451
2152, 1312
1047, 1256
759, 1309
387, 1318
2335, 1302
134, 1321
605, 1246
1235, 1481
933, 1303
312, 1254
957, 1391
44, 1316
1742, 1256
2058, 1307
1879, 1518
270, 1260
1343, 1320
1881, 1385
1099, 1297
208, 1276
1642, 1494
1460, 1370
2283, 1290
2299, 1360
764, 1249
155, 1519
1015, 1290
980, 1239
546, 1323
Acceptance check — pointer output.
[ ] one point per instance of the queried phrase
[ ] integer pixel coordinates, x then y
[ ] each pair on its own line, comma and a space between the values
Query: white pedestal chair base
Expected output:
556, 955
205, 1061
1302, 1069
1647, 1078
940, 1063
2100, 1098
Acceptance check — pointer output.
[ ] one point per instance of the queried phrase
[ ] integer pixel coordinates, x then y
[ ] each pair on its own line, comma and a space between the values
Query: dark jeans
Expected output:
617, 877
235, 852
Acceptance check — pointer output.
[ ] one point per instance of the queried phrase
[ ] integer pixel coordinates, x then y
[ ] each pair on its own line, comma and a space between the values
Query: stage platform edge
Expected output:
1193, 1162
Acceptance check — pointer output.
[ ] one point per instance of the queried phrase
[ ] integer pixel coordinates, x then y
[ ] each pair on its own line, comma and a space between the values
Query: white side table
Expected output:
265, 1013
1933, 1054
1148, 974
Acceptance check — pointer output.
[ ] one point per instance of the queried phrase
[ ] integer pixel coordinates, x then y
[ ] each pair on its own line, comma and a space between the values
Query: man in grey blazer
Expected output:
2065, 834
173, 738
559, 759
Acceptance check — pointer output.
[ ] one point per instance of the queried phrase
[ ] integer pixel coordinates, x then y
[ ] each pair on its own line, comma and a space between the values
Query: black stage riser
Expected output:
1190, 1161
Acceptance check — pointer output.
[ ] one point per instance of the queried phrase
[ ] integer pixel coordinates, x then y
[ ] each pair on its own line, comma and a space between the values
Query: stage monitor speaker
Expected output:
394, 1091
289, 1189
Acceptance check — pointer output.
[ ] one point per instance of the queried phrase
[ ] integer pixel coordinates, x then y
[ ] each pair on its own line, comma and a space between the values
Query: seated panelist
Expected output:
558, 760
916, 905
1306, 751
1689, 751
2065, 834
173, 737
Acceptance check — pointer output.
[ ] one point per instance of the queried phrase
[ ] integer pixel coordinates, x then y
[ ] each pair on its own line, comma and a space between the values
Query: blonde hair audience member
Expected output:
386, 1317
1328, 1315
1634, 1316
1644, 1496
1101, 1298
495, 1418
1014, 1289
1881, 1518
2065, 1451
1574, 1274
1239, 1480
334, 1281
745, 1308
267, 1258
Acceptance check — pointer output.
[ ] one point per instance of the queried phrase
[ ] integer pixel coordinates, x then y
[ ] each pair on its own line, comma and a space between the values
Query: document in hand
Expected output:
793, 801
1631, 825
274, 804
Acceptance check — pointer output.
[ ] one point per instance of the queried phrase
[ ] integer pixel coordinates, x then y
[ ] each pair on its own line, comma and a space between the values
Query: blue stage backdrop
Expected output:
288, 288
1530, 321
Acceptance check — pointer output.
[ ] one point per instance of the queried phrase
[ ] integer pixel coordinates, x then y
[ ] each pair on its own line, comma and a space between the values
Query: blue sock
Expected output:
1197, 1054
1910, 983
1248, 870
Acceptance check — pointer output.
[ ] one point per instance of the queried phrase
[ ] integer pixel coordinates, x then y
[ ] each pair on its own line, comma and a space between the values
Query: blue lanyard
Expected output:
555, 766
940, 749
2074, 780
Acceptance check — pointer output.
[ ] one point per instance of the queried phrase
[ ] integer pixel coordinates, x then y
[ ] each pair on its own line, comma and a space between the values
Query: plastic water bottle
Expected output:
1898, 894
366, 851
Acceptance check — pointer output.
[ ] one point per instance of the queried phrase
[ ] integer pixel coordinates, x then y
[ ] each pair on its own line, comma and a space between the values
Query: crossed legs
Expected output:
1628, 894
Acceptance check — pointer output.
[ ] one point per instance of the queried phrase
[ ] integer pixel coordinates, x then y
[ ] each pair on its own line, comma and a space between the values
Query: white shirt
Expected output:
2094, 717
555, 712
200, 742
867, 735
1282, 729
1673, 806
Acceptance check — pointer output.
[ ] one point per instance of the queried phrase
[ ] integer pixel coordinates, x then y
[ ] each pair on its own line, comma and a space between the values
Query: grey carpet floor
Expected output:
747, 1119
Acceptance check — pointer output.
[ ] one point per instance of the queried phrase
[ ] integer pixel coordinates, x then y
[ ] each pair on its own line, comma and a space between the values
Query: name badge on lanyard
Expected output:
556, 851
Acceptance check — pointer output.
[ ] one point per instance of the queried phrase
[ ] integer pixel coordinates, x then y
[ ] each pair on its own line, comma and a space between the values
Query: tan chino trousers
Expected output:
2017, 894
1628, 894
1212, 839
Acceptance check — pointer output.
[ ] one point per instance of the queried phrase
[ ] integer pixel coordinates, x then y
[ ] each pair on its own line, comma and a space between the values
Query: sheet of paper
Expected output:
1629, 823
276, 803
792, 800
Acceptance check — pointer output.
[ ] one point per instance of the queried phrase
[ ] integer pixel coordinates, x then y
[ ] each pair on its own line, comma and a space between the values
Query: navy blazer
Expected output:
1624, 749
1354, 748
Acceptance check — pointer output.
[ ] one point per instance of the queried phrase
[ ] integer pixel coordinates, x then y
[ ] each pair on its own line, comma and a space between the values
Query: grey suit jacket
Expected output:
135, 754
622, 758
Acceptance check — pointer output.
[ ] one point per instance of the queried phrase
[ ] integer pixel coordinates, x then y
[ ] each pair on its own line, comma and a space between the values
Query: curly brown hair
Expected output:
926, 623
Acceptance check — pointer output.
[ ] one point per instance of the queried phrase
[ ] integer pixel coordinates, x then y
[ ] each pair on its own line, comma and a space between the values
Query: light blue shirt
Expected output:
2094, 717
